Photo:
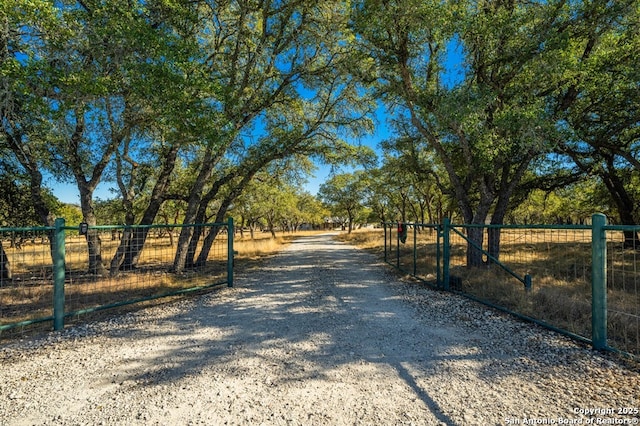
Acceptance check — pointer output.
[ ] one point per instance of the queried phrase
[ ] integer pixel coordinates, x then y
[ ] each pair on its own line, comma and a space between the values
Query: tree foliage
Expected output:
529, 79
345, 195
194, 110
176, 102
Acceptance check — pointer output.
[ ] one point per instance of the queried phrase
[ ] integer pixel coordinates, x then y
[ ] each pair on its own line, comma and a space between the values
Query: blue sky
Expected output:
68, 192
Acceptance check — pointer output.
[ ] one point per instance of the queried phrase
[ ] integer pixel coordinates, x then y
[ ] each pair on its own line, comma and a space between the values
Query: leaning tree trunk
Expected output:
213, 233
196, 235
30, 163
194, 202
117, 262
132, 247
201, 218
622, 199
207, 243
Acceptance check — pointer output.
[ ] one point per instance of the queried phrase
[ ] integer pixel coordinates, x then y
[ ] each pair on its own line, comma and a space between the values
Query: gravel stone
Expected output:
321, 334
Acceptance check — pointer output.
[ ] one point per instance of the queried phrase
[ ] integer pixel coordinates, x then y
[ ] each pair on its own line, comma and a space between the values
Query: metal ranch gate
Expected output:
579, 280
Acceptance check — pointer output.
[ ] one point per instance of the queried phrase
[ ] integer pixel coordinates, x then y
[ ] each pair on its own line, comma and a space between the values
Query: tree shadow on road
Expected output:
310, 314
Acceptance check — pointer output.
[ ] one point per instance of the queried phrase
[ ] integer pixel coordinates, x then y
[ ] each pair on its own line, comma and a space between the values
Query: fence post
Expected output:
599, 281
415, 249
438, 256
398, 246
384, 225
230, 253
446, 224
58, 274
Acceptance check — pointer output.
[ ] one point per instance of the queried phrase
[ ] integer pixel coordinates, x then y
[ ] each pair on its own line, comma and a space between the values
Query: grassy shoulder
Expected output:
369, 239
262, 246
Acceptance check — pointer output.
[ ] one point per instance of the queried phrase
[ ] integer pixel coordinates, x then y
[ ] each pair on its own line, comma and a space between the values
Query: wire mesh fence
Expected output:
26, 277
557, 262
419, 254
542, 273
623, 289
107, 267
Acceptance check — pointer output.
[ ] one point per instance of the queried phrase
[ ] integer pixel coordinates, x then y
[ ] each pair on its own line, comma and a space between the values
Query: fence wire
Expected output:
26, 277
556, 259
558, 262
26, 295
623, 292
418, 254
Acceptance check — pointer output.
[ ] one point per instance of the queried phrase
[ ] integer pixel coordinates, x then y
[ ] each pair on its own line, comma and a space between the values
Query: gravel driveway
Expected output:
321, 334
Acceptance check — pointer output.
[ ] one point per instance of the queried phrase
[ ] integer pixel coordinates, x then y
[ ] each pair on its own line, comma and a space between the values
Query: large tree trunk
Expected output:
475, 257
94, 243
622, 200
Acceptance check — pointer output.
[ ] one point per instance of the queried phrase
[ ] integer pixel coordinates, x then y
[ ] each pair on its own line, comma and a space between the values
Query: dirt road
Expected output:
320, 335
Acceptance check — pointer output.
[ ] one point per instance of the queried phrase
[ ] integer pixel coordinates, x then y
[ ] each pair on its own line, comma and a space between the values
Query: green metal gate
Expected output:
580, 280
44, 277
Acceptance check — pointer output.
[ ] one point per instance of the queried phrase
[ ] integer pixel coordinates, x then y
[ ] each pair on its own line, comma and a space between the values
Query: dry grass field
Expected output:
559, 262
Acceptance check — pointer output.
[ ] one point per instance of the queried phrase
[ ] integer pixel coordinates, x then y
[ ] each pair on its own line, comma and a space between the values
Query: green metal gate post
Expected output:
415, 249
599, 282
230, 252
446, 252
438, 256
398, 245
58, 274
384, 225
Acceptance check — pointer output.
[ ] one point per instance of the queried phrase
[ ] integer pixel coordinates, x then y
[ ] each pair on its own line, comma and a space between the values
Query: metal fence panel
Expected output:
26, 277
28, 294
558, 263
622, 291
541, 273
419, 254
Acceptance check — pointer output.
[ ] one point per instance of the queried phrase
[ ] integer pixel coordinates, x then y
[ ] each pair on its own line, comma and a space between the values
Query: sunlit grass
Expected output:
372, 239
